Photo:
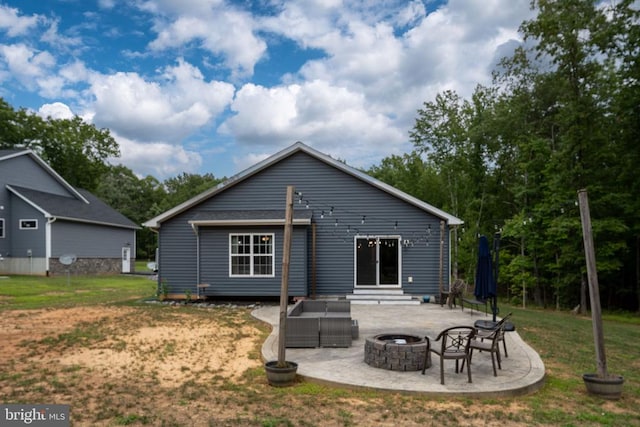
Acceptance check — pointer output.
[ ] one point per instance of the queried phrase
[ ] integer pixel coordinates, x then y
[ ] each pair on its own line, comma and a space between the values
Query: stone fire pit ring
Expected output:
396, 352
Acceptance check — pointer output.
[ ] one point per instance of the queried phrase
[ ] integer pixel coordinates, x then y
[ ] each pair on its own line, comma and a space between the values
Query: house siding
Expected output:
214, 264
177, 255
324, 187
13, 172
89, 240
25, 240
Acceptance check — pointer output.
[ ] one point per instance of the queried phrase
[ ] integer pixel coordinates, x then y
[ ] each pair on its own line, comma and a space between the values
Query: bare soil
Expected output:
132, 365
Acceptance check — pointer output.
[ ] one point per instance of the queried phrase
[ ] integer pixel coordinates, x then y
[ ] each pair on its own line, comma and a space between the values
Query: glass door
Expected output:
377, 261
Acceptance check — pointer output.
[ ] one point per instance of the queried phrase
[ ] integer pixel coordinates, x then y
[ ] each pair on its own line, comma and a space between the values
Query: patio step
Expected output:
375, 297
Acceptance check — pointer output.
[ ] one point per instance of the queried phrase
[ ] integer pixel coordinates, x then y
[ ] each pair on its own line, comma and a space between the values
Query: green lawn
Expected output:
29, 292
565, 344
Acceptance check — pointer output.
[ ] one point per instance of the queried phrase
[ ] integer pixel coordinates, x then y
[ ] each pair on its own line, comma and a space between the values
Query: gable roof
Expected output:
14, 152
287, 152
95, 211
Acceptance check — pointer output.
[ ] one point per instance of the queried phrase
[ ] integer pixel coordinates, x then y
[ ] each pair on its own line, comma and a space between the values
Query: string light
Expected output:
417, 237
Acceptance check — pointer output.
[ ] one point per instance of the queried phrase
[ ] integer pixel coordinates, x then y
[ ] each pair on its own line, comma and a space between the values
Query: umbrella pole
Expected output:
496, 253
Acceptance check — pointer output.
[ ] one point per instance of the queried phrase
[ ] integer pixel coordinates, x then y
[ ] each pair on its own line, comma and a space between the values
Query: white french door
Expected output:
377, 261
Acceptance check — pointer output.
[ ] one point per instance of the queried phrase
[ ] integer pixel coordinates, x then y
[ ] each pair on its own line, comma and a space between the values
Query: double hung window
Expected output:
251, 255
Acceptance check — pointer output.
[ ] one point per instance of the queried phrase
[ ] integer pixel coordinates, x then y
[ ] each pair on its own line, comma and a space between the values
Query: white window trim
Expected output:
28, 228
252, 255
2, 229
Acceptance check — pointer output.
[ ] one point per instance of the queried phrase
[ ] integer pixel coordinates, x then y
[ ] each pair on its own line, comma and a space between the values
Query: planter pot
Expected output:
608, 388
281, 376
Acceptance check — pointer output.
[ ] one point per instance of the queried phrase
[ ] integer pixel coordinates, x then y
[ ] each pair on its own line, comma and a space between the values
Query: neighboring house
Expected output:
43, 218
352, 234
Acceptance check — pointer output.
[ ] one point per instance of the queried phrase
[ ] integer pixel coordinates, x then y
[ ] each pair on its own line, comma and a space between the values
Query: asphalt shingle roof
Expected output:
96, 211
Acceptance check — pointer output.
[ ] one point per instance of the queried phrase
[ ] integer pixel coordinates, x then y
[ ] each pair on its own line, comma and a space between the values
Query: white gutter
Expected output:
245, 222
47, 240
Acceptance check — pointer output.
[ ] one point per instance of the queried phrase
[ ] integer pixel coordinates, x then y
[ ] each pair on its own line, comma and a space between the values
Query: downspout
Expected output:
47, 242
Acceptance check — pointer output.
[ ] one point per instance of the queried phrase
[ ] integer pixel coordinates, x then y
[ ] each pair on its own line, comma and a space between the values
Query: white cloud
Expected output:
219, 28
331, 118
15, 25
411, 13
56, 110
26, 64
247, 160
75, 72
167, 110
58, 41
106, 4
263, 114
157, 159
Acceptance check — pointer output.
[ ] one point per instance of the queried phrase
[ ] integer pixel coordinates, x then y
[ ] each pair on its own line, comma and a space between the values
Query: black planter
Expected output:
281, 376
607, 388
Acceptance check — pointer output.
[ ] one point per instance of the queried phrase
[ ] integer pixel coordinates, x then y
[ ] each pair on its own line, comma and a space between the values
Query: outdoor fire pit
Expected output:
396, 352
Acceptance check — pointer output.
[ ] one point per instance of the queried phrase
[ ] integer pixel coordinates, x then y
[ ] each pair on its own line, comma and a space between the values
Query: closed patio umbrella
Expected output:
485, 288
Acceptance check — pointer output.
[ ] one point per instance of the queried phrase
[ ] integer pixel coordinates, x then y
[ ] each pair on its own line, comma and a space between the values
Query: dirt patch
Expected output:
186, 349
18, 326
173, 354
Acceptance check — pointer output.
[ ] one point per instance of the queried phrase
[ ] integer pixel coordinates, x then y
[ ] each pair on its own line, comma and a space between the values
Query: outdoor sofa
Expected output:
320, 323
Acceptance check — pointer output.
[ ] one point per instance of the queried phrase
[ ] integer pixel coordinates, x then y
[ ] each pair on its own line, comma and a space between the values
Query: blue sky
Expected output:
214, 86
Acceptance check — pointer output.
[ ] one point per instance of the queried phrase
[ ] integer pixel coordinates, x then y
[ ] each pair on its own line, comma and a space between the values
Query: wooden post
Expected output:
284, 288
455, 253
313, 260
441, 259
592, 276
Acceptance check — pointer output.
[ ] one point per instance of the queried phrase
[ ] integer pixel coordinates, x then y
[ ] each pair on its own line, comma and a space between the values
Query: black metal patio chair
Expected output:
451, 344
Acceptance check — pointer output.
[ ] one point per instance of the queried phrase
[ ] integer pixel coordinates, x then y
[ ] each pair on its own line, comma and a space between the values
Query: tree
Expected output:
455, 135
135, 198
411, 174
562, 114
78, 151
185, 186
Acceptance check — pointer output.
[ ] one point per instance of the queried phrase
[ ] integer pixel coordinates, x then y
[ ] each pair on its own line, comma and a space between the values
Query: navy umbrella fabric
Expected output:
485, 288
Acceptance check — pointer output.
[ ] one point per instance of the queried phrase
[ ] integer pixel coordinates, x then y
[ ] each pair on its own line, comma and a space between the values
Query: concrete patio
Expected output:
522, 372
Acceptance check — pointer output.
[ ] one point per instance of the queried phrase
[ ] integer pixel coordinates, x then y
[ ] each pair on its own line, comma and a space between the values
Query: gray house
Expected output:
47, 226
353, 235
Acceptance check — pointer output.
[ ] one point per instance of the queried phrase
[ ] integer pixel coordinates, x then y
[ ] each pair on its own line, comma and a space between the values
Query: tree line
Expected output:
561, 114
